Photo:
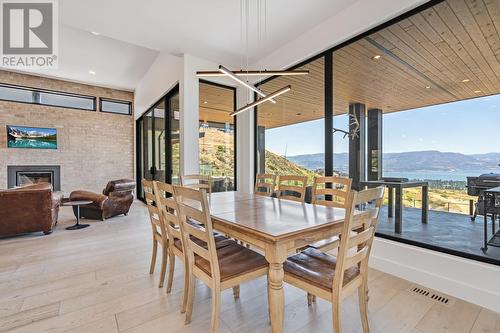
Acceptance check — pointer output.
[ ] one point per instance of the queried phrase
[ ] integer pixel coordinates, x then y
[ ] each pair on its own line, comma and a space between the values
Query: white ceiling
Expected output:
133, 32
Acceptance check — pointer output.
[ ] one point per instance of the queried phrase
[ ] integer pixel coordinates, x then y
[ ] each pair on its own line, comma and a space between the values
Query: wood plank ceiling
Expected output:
446, 53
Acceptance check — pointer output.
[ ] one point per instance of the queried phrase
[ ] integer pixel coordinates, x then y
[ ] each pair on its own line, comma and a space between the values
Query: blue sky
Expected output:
50, 131
468, 127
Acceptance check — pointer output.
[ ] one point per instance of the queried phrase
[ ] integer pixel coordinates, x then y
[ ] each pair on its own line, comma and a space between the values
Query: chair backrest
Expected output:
355, 247
195, 221
197, 182
292, 188
264, 184
166, 204
336, 187
155, 216
120, 185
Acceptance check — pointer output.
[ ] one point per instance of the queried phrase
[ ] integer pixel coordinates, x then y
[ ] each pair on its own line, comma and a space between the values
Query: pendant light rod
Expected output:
227, 72
253, 73
262, 100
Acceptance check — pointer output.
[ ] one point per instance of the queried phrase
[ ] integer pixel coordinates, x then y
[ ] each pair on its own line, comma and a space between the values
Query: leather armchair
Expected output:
29, 209
115, 199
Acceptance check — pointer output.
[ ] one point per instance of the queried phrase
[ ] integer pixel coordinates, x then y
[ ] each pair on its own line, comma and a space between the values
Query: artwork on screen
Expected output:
31, 137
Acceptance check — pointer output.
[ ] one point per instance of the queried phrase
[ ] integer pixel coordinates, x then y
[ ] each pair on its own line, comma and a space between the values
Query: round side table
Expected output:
77, 204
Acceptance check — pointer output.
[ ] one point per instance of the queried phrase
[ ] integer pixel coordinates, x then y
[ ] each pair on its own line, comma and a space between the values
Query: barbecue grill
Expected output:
476, 187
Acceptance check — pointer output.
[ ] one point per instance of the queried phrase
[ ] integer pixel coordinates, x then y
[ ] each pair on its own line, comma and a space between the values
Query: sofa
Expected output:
116, 199
31, 208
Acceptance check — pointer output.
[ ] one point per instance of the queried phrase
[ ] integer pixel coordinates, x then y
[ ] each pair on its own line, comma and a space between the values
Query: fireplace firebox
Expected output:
21, 175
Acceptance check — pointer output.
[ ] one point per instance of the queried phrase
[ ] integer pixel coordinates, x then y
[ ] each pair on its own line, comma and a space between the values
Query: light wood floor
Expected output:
96, 280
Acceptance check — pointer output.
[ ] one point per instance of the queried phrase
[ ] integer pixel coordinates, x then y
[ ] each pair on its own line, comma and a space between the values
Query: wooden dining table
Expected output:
278, 228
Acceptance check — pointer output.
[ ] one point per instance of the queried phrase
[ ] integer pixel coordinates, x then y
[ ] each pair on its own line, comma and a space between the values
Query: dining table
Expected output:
276, 227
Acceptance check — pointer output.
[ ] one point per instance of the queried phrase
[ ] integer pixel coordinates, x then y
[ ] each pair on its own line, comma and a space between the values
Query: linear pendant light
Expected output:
227, 72
262, 100
253, 73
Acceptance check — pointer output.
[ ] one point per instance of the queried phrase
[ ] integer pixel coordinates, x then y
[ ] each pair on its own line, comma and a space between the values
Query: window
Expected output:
217, 135
115, 106
14, 93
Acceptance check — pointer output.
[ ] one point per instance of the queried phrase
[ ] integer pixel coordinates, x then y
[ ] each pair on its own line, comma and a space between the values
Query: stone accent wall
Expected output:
92, 147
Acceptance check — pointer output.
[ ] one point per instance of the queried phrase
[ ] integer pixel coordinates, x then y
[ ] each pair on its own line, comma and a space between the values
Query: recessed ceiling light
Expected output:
465, 80
91, 72
205, 102
95, 33
427, 87
376, 57
477, 91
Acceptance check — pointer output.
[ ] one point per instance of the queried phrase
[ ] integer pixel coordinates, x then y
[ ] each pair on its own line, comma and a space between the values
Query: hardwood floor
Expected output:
97, 280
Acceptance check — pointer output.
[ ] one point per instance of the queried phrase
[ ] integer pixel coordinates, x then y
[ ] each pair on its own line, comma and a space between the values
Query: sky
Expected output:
468, 127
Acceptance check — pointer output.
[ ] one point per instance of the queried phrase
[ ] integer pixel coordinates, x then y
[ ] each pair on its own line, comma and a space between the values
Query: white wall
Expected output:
162, 76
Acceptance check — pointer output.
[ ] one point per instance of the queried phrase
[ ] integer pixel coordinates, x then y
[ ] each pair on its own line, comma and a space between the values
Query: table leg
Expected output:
390, 206
399, 210
276, 255
425, 204
485, 246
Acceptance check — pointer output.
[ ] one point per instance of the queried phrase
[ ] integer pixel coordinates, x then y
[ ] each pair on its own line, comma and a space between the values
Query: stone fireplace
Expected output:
20, 175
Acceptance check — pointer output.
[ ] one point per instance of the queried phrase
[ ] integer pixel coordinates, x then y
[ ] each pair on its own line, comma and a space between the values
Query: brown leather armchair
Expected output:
115, 199
29, 209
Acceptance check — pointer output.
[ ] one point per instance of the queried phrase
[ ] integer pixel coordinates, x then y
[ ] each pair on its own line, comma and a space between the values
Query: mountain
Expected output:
430, 160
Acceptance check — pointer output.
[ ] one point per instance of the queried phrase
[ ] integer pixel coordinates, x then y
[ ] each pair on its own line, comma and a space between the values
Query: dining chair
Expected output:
197, 182
168, 210
292, 187
334, 278
219, 268
158, 229
338, 188
264, 184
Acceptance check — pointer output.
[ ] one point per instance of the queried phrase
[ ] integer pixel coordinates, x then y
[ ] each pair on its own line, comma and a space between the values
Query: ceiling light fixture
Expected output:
91, 72
205, 102
227, 72
376, 57
95, 33
262, 100
427, 87
477, 91
465, 80
265, 72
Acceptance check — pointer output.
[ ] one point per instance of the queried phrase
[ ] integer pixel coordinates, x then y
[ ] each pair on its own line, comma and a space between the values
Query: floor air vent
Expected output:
436, 297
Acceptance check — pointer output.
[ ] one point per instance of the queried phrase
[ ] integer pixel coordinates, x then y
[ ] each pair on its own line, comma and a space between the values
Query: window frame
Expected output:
118, 101
52, 92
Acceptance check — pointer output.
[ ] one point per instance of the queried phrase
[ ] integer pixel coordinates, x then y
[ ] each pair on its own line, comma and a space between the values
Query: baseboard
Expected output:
472, 281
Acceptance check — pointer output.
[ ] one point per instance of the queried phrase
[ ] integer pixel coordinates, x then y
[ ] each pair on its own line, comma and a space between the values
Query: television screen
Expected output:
31, 137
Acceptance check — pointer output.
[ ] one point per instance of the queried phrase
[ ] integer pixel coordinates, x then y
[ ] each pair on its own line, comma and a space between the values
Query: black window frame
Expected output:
52, 92
117, 101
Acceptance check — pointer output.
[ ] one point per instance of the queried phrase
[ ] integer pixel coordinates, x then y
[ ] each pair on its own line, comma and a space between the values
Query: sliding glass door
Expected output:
158, 141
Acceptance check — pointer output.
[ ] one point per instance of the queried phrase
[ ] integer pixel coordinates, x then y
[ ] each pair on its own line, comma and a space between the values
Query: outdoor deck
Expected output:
448, 232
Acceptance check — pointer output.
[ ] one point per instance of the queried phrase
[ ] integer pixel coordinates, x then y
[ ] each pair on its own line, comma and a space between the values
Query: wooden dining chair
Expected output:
218, 268
264, 184
338, 189
292, 188
197, 182
334, 278
158, 229
167, 207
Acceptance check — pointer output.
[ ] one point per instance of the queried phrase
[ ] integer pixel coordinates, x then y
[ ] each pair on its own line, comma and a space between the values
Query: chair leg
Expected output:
310, 299
164, 256
236, 292
363, 307
190, 297
215, 309
171, 267
186, 287
337, 325
153, 257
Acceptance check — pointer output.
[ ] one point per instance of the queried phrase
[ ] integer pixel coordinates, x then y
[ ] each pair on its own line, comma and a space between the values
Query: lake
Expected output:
32, 143
458, 175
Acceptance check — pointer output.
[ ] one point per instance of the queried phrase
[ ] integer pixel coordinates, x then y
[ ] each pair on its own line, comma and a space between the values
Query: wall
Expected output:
93, 147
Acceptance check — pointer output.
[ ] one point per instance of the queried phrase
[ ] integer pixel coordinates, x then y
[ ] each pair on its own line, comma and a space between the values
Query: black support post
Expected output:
328, 114
374, 143
261, 149
357, 144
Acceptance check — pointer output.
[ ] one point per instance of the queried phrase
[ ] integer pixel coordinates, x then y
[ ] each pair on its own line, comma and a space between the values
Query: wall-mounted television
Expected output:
31, 137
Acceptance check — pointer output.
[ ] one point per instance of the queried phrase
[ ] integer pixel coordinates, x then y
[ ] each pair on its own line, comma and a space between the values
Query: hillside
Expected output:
278, 165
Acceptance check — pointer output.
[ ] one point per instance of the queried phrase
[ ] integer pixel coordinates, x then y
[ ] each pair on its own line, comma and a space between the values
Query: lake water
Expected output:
459, 175
30, 143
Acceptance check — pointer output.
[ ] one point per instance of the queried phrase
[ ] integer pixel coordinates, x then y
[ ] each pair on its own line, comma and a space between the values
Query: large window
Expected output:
217, 135
14, 93
417, 99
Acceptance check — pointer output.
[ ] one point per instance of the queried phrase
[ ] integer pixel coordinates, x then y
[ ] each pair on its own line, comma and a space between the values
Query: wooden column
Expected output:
357, 144
374, 144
